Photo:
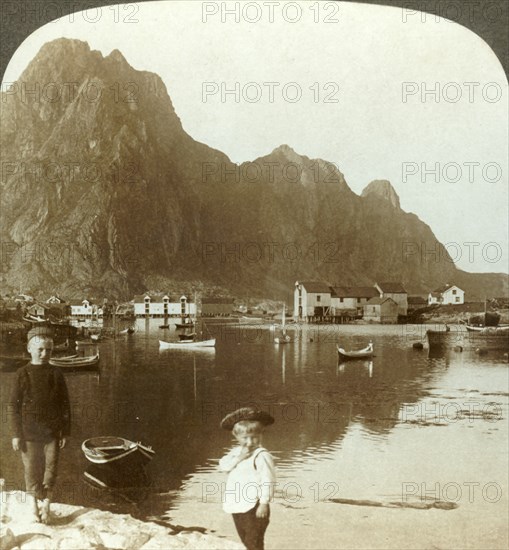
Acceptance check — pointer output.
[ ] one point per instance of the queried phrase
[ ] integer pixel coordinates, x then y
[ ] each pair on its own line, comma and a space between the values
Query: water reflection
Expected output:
174, 400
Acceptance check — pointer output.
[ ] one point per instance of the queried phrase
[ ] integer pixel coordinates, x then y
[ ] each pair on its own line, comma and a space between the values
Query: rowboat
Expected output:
489, 338
189, 324
74, 361
358, 354
164, 326
128, 330
191, 344
107, 449
488, 330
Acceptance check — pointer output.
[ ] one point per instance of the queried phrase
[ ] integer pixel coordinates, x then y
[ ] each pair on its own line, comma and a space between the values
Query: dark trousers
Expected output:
40, 461
251, 529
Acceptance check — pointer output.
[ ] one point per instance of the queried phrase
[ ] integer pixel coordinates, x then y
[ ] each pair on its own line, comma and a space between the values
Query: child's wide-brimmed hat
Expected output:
43, 331
246, 413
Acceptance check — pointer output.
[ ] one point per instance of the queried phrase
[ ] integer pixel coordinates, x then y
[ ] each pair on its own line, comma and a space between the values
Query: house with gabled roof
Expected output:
311, 299
163, 305
351, 299
396, 291
446, 294
38, 310
381, 310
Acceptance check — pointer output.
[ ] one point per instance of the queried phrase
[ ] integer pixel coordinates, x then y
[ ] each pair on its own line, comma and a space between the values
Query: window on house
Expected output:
318, 298
341, 300
454, 292
358, 300
457, 298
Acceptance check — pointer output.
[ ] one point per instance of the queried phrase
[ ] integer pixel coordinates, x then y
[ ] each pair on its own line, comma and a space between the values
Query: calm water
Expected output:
391, 429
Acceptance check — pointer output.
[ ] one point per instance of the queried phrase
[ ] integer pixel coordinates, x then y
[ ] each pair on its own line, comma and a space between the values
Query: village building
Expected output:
58, 307
85, 308
416, 302
396, 292
161, 305
38, 310
312, 300
381, 310
351, 299
216, 307
446, 294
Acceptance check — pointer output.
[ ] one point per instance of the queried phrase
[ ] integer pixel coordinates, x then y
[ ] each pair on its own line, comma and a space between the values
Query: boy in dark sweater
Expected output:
41, 419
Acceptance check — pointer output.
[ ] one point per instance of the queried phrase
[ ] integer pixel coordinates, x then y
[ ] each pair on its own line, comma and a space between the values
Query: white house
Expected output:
447, 294
311, 299
161, 305
396, 292
85, 308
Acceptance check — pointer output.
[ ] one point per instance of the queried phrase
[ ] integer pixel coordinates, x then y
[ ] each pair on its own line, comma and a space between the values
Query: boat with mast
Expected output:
284, 338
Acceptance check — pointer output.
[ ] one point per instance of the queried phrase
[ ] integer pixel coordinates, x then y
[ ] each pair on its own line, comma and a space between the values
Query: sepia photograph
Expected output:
254, 277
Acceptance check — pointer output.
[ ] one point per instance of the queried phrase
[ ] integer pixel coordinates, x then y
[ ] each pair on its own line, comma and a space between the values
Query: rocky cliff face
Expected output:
103, 192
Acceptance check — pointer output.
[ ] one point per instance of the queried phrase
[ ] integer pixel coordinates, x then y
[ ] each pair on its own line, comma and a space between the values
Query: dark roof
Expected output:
378, 301
355, 291
417, 300
393, 288
443, 288
316, 287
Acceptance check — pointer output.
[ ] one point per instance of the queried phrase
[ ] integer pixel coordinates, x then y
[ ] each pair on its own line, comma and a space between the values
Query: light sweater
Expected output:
250, 481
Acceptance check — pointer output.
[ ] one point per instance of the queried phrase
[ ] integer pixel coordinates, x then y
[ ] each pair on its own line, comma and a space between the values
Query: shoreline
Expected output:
80, 527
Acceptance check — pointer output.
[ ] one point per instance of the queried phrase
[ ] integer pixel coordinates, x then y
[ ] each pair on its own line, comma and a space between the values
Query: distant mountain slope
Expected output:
104, 193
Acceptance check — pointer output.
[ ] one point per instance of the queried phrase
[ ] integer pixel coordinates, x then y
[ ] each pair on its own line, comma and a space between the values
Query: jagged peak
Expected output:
116, 55
287, 151
382, 189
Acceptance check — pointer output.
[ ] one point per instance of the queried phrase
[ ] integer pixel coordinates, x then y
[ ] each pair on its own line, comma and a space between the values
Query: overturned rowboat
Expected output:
107, 449
358, 354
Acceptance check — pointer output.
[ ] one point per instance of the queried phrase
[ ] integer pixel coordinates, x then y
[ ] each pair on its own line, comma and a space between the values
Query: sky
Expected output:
383, 93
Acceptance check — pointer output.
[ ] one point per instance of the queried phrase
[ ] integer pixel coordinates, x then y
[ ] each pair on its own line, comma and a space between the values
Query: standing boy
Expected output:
41, 419
252, 476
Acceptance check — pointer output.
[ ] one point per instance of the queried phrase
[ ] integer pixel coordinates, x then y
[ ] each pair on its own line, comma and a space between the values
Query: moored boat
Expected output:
489, 338
488, 330
75, 361
356, 354
191, 344
188, 324
284, 338
107, 449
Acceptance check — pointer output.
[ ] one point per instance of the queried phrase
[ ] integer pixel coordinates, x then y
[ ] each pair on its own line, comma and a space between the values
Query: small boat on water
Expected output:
488, 330
357, 354
128, 330
283, 338
164, 326
191, 344
489, 338
107, 449
185, 324
75, 361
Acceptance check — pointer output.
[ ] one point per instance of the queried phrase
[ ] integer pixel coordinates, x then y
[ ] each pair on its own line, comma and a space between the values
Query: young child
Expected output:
252, 476
41, 419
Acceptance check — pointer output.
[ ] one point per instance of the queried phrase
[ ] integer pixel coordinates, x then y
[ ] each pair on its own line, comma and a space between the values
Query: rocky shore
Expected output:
77, 527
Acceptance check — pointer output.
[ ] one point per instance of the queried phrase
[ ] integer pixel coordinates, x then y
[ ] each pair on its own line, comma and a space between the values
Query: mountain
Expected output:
104, 193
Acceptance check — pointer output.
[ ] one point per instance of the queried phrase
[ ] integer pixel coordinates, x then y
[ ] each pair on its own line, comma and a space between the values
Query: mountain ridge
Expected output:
134, 203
